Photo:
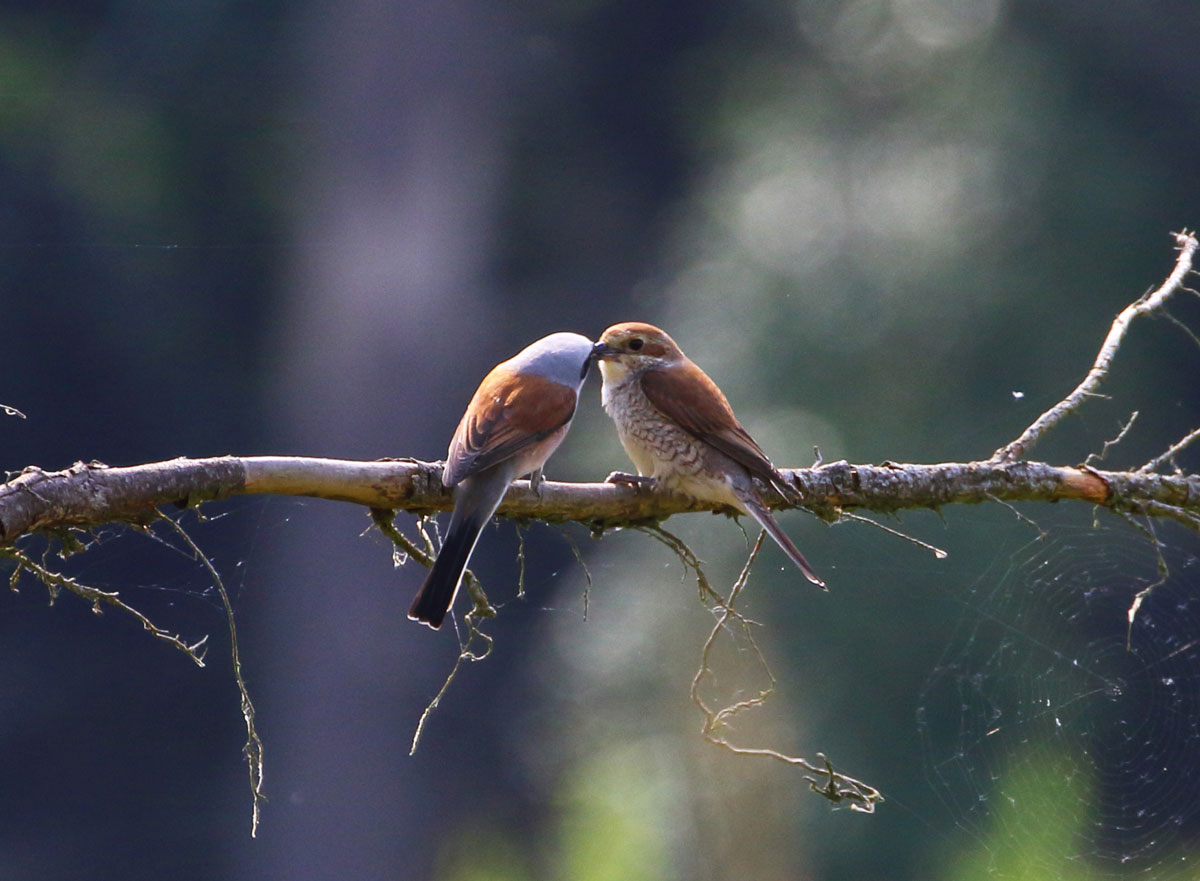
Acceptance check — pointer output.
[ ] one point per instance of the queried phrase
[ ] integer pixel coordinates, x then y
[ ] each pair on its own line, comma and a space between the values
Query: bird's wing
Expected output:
685, 395
508, 413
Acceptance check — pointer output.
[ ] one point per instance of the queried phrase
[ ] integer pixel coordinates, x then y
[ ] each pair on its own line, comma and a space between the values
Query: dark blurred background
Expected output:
897, 229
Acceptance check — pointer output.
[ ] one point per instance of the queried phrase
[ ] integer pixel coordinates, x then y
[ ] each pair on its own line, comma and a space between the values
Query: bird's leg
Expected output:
535, 482
639, 482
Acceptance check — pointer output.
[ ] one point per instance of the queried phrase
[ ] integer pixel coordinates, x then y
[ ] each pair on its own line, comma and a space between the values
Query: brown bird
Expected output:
519, 415
680, 431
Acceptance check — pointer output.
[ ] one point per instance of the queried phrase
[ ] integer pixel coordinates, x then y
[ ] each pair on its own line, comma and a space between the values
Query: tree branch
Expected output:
1150, 303
91, 494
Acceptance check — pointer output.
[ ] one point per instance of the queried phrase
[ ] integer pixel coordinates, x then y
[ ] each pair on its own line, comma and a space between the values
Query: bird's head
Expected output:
634, 346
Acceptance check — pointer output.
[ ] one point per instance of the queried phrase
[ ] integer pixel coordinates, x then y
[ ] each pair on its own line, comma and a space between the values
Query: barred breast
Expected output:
659, 448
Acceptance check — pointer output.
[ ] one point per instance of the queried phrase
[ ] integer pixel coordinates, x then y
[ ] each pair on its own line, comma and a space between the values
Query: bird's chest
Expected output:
657, 446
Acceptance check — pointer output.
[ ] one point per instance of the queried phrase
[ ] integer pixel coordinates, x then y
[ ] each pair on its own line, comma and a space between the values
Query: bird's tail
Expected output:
475, 501
436, 595
766, 520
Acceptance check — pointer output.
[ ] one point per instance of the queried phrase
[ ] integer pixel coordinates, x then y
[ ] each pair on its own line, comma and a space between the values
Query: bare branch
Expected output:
254, 749
1191, 334
1148, 304
837, 787
1173, 451
1170, 512
1041, 532
90, 494
912, 539
1097, 458
54, 581
467, 651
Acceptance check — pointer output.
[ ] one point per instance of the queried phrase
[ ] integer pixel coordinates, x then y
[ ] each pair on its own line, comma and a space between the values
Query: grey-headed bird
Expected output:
519, 415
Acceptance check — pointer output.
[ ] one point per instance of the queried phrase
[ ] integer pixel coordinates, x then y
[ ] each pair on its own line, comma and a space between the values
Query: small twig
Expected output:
715, 720
520, 562
482, 607
837, 787
465, 653
1191, 334
1135, 606
937, 552
427, 524
384, 519
1150, 303
686, 556
54, 581
1041, 532
1164, 572
1172, 512
726, 611
587, 573
1096, 458
11, 411
1169, 456
692, 563
253, 750
431, 706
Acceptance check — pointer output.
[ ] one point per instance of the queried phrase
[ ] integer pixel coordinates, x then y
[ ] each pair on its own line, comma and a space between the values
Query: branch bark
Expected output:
91, 494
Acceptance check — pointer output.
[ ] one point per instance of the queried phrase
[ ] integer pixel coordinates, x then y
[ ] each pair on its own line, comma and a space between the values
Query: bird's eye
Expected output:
635, 344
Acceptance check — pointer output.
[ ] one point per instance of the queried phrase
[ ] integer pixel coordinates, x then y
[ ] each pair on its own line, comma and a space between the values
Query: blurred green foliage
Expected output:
1038, 802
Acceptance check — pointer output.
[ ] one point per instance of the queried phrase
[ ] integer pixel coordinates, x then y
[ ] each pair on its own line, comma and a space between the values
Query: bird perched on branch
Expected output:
519, 415
680, 431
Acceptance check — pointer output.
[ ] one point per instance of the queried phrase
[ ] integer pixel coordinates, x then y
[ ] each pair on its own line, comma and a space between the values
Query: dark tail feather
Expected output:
436, 595
762, 514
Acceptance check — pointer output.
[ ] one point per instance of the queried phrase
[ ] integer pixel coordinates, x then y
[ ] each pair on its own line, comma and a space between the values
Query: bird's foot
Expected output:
638, 482
535, 482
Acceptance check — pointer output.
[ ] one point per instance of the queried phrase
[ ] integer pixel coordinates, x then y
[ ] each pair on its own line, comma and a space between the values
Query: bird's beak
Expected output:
600, 351
603, 351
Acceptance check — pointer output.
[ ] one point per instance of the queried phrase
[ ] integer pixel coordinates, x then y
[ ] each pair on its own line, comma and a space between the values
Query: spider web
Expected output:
1065, 752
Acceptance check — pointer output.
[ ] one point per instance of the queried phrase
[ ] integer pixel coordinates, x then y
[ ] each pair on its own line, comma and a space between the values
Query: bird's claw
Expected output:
639, 482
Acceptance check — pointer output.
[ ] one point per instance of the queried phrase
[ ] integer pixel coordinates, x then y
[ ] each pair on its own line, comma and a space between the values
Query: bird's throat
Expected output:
615, 374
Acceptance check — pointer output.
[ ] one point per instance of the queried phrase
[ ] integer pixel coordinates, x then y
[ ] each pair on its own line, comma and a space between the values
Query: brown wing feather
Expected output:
685, 395
505, 417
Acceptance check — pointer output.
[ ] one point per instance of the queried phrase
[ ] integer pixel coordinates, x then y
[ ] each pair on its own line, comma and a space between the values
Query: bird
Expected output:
517, 418
680, 432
